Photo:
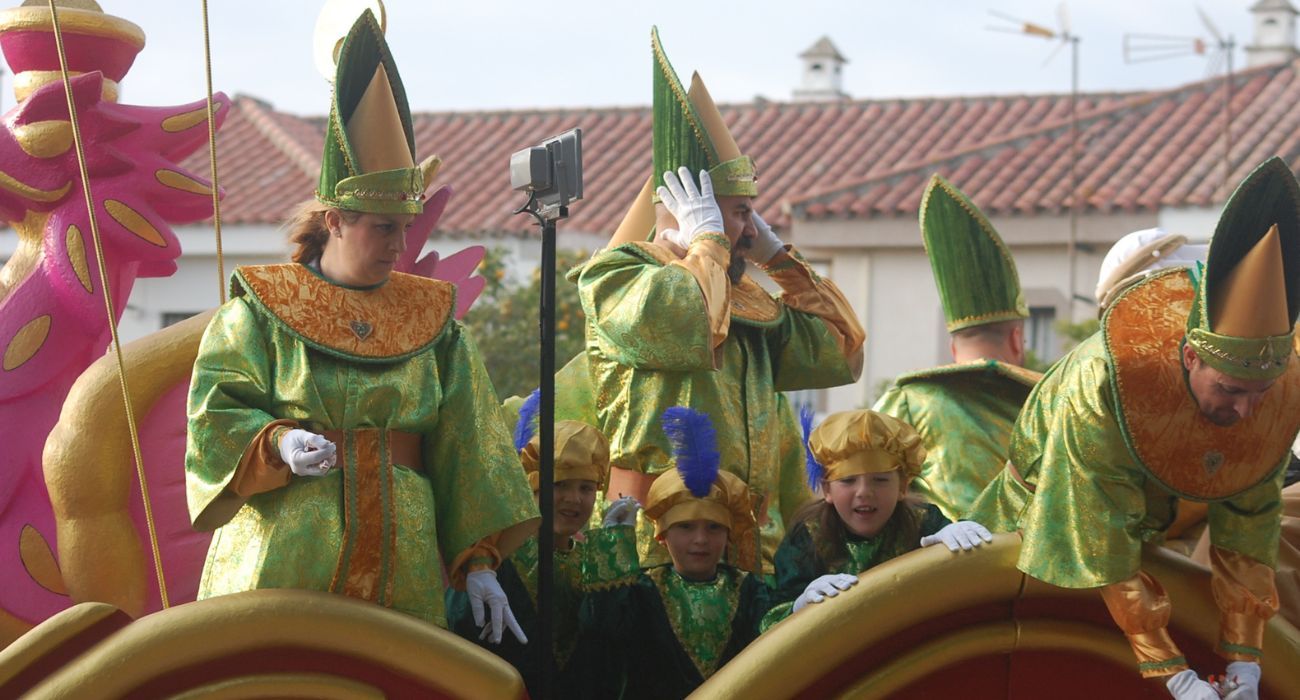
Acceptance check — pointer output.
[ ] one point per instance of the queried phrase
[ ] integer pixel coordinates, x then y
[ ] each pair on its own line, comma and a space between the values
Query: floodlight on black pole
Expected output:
551, 174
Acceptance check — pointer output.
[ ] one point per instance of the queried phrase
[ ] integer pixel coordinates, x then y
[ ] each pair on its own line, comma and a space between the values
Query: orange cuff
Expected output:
1141, 608
804, 290
483, 555
261, 469
707, 262
1246, 592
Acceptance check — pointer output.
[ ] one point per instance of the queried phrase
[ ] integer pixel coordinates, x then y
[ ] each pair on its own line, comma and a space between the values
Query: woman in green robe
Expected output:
343, 433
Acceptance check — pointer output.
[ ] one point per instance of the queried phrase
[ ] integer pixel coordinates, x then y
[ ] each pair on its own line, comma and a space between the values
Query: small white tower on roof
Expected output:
1274, 39
823, 73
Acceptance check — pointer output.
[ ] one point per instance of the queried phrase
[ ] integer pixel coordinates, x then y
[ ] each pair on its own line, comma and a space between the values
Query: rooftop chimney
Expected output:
822, 73
1274, 39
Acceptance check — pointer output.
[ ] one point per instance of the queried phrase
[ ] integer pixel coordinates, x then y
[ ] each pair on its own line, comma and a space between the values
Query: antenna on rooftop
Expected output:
1218, 50
1065, 37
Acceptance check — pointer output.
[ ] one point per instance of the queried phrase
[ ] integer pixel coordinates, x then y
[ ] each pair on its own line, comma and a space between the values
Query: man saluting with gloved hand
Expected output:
673, 320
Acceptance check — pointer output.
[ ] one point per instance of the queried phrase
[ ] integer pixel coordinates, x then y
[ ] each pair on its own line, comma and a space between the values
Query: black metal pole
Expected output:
546, 472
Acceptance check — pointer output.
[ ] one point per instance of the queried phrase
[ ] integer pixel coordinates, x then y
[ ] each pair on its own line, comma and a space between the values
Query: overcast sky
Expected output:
493, 54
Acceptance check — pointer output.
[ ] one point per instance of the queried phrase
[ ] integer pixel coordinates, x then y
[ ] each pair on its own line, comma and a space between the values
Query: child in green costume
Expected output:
862, 463
677, 623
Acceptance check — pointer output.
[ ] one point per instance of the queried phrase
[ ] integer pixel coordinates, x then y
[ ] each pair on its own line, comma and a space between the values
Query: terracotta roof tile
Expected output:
865, 158
1136, 152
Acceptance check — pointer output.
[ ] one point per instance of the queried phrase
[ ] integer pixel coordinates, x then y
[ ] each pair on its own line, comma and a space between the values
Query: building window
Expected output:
1040, 333
171, 318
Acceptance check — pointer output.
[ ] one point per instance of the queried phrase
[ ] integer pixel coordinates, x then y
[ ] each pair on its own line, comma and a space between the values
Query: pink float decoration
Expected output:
52, 315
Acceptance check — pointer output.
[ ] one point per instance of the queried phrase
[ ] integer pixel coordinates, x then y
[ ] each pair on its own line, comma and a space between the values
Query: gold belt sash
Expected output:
366, 563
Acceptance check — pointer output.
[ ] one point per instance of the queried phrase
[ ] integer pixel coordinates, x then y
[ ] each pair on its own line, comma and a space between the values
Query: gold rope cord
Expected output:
212, 157
108, 305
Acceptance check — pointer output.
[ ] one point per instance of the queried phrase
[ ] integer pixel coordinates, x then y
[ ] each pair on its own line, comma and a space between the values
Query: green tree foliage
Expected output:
1071, 335
504, 322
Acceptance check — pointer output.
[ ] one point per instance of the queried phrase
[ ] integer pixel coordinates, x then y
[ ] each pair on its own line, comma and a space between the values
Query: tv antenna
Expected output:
1218, 50
1065, 37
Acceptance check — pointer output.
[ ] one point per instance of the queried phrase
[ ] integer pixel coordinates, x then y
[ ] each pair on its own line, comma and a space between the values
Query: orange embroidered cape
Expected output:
1159, 417
387, 323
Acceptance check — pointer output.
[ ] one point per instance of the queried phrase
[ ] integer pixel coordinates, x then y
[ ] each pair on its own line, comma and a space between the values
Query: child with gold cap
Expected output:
861, 462
679, 622
603, 558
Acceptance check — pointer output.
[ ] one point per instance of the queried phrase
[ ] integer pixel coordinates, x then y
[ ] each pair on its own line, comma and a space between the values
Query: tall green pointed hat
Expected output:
973, 269
369, 160
1247, 300
689, 131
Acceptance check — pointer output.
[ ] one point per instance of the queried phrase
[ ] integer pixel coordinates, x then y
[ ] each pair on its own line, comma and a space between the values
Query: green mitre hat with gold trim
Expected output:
369, 160
689, 131
1243, 319
974, 271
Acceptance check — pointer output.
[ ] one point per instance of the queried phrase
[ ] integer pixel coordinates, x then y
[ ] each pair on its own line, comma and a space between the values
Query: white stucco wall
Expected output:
882, 268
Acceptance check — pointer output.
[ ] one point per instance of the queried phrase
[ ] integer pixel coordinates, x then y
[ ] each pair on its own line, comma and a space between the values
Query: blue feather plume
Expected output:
695, 447
812, 467
527, 424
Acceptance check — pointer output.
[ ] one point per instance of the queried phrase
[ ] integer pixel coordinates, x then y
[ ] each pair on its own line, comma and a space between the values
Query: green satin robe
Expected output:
252, 369
1095, 506
964, 414
649, 348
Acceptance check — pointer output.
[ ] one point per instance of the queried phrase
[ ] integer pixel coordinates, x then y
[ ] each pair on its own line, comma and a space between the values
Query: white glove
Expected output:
1241, 681
307, 453
1184, 685
483, 587
962, 534
696, 211
824, 587
766, 245
621, 512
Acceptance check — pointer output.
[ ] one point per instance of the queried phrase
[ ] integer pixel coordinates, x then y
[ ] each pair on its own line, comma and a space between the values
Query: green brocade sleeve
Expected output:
805, 354
609, 558
1250, 523
796, 566
230, 394
478, 486
1084, 526
646, 315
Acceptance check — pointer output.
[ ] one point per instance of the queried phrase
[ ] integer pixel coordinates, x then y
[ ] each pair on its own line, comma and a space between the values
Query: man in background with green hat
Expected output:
1190, 389
964, 411
677, 322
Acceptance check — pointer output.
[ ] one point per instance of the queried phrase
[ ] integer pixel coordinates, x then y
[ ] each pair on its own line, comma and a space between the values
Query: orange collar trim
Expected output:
1160, 420
381, 324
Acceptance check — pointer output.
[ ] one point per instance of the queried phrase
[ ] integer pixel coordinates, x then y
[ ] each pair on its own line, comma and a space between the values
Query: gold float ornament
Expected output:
265, 643
906, 630
85, 27
100, 552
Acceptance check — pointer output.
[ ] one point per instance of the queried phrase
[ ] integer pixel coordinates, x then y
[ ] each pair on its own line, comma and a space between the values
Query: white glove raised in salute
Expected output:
1185, 685
824, 587
307, 453
962, 534
621, 512
766, 245
696, 212
483, 588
